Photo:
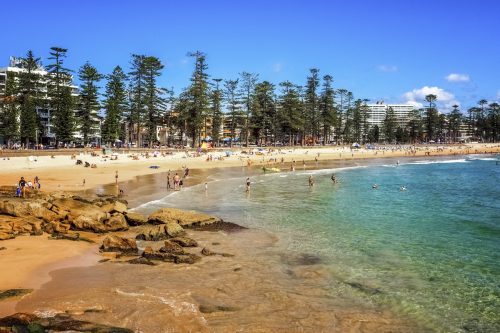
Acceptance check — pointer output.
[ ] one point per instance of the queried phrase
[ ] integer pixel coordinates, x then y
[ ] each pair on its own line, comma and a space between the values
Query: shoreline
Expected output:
89, 256
61, 173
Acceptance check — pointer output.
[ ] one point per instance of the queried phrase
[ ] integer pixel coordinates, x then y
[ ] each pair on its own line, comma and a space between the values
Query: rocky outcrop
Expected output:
115, 243
181, 217
135, 219
11, 226
161, 232
75, 208
141, 261
114, 207
56, 227
10, 293
185, 241
116, 222
30, 323
171, 247
184, 258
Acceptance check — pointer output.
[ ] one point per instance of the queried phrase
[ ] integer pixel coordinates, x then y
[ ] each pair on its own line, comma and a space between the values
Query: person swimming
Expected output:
402, 188
334, 179
375, 186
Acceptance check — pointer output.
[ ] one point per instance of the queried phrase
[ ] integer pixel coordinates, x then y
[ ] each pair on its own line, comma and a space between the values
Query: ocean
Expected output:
429, 253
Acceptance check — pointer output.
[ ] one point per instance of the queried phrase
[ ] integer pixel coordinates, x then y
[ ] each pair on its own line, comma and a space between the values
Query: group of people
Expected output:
177, 181
26, 185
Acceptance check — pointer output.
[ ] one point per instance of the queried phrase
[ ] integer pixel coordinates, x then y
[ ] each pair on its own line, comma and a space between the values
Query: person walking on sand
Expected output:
311, 181
248, 185
116, 177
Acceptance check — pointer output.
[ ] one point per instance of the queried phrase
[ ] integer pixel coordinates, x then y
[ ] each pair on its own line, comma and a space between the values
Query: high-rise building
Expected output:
44, 111
378, 111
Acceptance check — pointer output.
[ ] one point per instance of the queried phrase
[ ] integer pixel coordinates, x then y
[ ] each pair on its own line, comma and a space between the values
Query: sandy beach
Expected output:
61, 174
30, 260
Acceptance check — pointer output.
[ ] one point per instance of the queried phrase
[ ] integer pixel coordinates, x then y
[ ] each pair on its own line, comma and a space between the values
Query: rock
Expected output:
39, 209
114, 207
6, 235
9, 293
115, 243
135, 219
210, 308
161, 232
171, 247
184, 241
183, 218
207, 252
170, 257
73, 237
75, 209
190, 258
13, 207
83, 222
11, 226
141, 261
23, 322
152, 255
56, 228
116, 222
218, 226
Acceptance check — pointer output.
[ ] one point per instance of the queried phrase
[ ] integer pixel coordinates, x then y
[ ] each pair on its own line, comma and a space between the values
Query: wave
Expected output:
482, 159
424, 162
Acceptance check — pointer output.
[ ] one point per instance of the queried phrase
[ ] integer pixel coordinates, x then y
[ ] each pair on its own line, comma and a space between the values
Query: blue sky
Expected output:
390, 50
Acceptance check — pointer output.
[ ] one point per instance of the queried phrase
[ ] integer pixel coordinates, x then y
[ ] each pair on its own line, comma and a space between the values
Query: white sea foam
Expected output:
482, 159
424, 162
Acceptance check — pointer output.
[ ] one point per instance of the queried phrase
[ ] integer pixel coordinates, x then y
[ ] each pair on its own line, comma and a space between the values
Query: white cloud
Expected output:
416, 97
498, 94
454, 77
277, 67
387, 68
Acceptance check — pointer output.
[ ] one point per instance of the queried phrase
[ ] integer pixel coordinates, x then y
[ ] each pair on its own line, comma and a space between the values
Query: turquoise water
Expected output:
431, 253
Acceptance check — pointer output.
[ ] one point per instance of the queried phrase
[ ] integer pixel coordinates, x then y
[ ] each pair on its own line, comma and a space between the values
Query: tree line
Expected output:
252, 111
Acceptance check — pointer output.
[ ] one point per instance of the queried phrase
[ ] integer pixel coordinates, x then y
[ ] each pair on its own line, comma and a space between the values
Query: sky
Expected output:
390, 50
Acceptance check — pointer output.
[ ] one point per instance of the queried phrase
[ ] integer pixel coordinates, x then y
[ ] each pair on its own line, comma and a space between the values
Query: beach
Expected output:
62, 174
235, 284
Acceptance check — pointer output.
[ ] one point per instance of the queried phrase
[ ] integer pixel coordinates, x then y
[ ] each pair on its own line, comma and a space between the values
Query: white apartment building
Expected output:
44, 112
378, 111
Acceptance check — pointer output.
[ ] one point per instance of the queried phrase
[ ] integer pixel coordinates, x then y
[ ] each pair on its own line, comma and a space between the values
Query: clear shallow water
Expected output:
431, 252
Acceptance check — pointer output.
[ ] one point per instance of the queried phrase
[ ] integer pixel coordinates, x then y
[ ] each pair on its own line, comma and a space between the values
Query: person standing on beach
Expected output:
176, 181
22, 186
116, 177
168, 181
248, 185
